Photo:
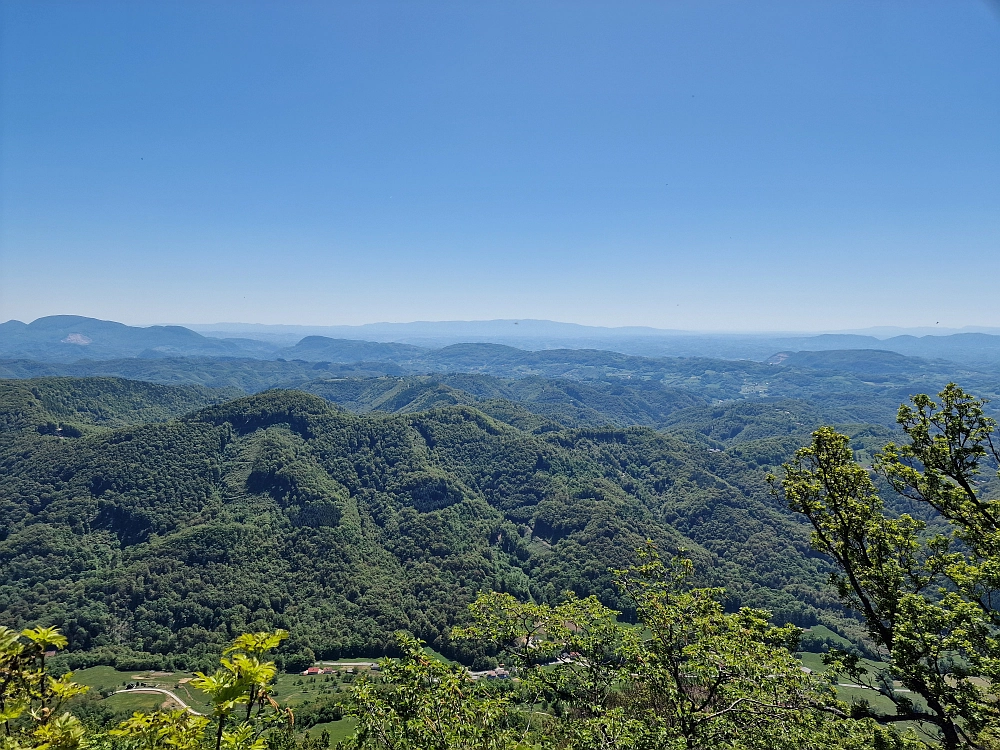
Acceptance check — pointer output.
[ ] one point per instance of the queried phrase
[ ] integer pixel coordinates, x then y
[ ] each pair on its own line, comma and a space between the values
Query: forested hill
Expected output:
569, 403
593, 386
70, 405
155, 543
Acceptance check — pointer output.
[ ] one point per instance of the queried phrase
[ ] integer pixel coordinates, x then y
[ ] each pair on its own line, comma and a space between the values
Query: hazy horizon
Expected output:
697, 166
532, 327
871, 330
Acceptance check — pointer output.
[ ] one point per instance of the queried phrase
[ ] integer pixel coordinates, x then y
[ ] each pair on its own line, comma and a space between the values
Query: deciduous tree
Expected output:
928, 601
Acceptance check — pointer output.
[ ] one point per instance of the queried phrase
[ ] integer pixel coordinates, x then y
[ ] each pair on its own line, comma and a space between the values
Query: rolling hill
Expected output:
152, 543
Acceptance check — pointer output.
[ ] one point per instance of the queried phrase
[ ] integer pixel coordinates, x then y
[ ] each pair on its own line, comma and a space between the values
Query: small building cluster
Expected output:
495, 674
319, 670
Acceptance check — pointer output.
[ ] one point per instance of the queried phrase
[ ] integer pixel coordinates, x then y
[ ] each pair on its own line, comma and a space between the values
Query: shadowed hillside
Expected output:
155, 542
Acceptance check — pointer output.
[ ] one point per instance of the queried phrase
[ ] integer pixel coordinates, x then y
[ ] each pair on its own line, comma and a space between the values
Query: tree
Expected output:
688, 676
425, 704
31, 700
241, 689
928, 601
177, 730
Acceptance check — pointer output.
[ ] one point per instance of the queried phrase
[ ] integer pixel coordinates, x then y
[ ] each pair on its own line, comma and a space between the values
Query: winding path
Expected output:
174, 696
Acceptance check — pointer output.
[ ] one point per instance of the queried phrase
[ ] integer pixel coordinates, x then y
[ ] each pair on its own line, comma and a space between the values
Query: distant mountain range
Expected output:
522, 329
425, 346
66, 338
970, 346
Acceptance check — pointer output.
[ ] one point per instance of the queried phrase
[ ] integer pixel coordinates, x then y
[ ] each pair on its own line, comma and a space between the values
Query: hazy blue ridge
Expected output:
65, 338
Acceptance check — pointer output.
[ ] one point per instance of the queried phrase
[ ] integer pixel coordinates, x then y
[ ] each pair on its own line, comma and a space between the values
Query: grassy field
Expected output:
339, 730
293, 690
822, 631
108, 679
129, 703
815, 662
859, 695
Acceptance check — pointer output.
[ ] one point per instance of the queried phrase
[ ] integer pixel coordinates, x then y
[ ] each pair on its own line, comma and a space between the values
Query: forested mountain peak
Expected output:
281, 510
263, 409
66, 404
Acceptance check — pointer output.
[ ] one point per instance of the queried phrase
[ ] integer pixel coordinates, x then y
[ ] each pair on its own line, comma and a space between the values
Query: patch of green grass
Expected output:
132, 702
822, 631
339, 730
293, 690
102, 678
814, 662
440, 657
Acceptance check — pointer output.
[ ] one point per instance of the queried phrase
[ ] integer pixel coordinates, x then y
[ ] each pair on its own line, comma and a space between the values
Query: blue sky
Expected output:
701, 165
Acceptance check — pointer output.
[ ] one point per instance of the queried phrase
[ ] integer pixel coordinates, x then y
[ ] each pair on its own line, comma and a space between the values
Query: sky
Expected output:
700, 165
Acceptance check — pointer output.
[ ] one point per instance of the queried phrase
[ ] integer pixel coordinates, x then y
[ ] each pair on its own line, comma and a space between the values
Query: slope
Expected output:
71, 404
566, 402
152, 544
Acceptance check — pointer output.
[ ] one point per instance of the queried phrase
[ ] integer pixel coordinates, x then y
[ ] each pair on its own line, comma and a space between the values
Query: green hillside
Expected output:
74, 403
154, 543
571, 387
570, 403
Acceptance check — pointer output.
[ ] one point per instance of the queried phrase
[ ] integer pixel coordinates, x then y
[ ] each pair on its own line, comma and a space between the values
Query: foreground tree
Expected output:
928, 601
424, 704
688, 676
244, 710
32, 702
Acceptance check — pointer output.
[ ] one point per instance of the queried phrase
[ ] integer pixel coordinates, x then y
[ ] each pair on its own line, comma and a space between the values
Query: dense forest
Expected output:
156, 507
155, 542
854, 386
667, 664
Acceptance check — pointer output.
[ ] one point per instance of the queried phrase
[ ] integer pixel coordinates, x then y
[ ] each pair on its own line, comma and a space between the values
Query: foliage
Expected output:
68, 407
427, 704
135, 541
176, 730
927, 599
689, 676
244, 711
245, 375
32, 701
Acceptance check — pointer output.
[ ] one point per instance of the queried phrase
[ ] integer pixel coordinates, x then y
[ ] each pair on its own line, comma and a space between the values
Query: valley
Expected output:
155, 507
